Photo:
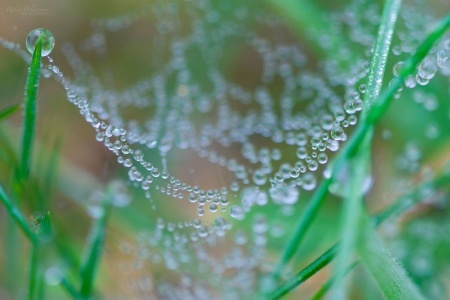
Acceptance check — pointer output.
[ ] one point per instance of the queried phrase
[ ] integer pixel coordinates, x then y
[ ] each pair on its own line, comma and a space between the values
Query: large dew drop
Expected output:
48, 41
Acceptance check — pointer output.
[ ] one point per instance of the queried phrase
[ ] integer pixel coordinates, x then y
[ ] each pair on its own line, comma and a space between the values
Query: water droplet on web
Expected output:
48, 41
120, 196
443, 58
410, 81
337, 133
397, 67
259, 177
236, 212
213, 207
284, 194
308, 182
362, 88
427, 69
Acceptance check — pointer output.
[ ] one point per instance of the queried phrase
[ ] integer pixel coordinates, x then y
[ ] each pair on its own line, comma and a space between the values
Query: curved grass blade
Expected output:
94, 248
30, 111
9, 110
377, 110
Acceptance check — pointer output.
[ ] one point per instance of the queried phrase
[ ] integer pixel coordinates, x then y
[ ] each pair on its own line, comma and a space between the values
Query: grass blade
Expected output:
30, 111
16, 215
33, 273
50, 172
360, 163
381, 53
389, 275
352, 208
306, 273
45, 228
377, 110
94, 249
70, 289
9, 110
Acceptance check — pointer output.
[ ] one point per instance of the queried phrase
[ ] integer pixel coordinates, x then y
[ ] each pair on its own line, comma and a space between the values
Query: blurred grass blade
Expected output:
9, 110
389, 275
70, 289
377, 110
16, 215
326, 286
33, 272
93, 250
44, 235
352, 208
45, 229
50, 172
30, 111
360, 163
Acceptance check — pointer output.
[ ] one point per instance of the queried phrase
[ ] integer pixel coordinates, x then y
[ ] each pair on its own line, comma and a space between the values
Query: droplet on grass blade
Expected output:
48, 41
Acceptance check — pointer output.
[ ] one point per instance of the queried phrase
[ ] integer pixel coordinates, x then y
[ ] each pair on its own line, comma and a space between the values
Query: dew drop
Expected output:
48, 41
236, 212
362, 88
337, 133
284, 194
443, 58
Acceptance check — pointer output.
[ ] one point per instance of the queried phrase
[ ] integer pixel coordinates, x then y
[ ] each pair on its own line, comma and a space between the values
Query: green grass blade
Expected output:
70, 289
402, 204
380, 55
389, 275
327, 285
45, 230
50, 172
16, 215
44, 235
94, 247
352, 208
360, 163
9, 110
30, 111
306, 273
33, 272
357, 137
